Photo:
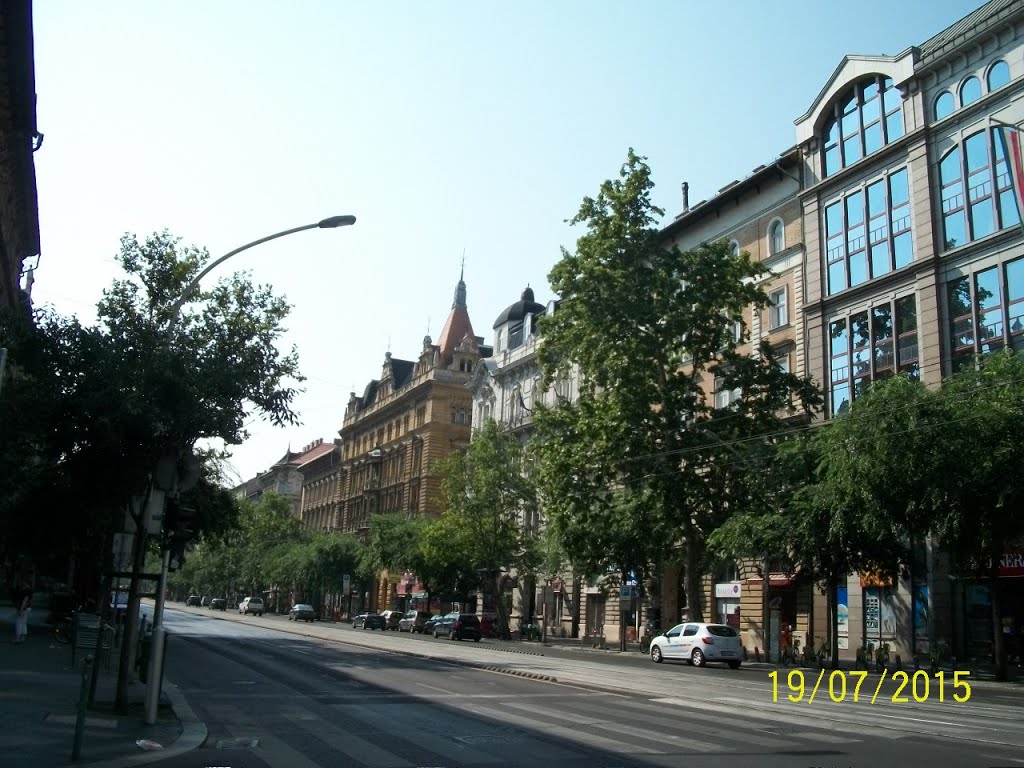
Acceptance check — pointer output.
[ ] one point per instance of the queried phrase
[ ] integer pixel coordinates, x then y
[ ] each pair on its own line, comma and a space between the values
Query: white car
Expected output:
251, 605
698, 644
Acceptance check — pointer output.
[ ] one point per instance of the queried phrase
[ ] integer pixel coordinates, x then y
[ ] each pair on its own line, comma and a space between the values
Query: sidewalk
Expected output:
978, 670
39, 693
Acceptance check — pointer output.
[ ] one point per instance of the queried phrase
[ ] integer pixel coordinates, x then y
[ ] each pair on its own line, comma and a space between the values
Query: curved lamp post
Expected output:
155, 672
331, 222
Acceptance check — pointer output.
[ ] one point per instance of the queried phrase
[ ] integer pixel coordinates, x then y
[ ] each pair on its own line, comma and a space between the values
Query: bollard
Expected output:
76, 749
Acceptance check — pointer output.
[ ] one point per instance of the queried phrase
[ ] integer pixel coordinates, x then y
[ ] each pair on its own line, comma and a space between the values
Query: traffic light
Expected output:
179, 522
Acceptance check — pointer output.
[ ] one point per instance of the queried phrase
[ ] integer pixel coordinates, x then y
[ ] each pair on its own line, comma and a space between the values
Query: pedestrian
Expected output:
22, 607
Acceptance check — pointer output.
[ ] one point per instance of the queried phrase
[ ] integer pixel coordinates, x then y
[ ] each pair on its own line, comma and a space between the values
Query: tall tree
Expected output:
980, 473
647, 326
488, 494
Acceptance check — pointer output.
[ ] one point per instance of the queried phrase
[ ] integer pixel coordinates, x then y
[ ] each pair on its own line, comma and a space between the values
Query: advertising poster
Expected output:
887, 604
872, 614
843, 618
921, 617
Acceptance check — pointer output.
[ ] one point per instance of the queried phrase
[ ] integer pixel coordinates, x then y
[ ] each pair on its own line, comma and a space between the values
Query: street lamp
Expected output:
157, 648
331, 222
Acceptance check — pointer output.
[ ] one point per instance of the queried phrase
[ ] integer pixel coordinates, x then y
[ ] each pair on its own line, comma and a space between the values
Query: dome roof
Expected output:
516, 312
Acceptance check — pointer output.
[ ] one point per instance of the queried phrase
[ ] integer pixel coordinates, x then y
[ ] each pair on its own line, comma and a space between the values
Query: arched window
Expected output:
734, 248
864, 119
998, 75
945, 105
776, 237
976, 190
970, 91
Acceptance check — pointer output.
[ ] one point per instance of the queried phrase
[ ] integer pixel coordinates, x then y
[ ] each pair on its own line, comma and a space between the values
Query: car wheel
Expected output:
452, 635
656, 656
697, 658
476, 639
734, 665
436, 634
290, 618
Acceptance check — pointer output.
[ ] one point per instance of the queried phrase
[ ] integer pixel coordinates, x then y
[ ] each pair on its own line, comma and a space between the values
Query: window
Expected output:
976, 191
782, 361
998, 75
864, 119
725, 397
867, 233
776, 237
970, 91
734, 248
865, 346
777, 314
500, 340
944, 105
515, 335
986, 311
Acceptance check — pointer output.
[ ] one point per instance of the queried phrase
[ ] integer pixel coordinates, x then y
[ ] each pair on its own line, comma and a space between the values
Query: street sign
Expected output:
347, 581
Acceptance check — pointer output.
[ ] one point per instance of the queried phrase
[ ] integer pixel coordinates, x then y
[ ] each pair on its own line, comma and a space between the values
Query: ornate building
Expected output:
417, 413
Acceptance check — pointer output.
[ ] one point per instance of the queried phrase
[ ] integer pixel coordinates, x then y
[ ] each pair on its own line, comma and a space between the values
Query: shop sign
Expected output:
1010, 564
728, 590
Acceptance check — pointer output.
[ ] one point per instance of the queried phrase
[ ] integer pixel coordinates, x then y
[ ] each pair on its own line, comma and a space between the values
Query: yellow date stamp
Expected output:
843, 685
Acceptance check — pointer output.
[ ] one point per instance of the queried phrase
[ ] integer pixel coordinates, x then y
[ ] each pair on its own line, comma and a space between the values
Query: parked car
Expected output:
206, 601
251, 605
369, 620
194, 601
302, 612
413, 621
698, 643
428, 625
119, 604
391, 619
458, 626
219, 604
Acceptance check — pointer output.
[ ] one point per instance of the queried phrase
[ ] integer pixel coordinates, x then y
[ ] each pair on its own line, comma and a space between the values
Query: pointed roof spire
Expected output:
460, 289
458, 325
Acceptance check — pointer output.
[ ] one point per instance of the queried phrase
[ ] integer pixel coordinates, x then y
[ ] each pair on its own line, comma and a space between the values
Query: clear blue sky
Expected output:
444, 127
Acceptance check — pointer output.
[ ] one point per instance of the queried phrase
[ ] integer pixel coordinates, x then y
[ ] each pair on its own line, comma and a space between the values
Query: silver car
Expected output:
251, 605
697, 644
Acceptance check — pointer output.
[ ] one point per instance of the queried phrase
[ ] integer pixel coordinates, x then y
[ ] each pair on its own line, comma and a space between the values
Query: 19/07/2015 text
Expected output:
918, 686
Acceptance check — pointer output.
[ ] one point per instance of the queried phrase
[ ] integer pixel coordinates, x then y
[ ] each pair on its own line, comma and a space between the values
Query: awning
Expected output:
774, 580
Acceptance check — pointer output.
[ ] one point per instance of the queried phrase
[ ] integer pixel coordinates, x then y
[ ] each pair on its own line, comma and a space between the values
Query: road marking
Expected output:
435, 688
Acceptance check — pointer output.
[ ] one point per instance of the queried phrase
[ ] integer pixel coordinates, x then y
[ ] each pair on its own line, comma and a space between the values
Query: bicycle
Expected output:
62, 631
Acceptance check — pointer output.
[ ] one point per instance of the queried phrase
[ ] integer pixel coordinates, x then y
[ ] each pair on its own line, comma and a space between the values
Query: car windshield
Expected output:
303, 607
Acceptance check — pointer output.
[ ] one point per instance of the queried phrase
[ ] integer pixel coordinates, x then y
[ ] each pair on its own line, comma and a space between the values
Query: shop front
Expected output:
978, 609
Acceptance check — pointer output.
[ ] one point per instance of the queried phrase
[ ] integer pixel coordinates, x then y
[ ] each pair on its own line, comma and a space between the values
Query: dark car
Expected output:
428, 625
194, 600
369, 621
391, 619
219, 604
302, 612
458, 626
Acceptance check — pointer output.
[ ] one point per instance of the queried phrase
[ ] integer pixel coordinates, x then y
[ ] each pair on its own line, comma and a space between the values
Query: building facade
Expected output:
915, 264
285, 477
760, 215
319, 501
19, 139
417, 413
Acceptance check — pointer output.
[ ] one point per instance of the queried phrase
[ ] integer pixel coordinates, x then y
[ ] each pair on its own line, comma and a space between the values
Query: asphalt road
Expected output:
274, 693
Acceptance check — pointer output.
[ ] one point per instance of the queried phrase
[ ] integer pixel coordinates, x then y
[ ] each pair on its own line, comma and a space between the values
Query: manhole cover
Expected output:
486, 738
237, 743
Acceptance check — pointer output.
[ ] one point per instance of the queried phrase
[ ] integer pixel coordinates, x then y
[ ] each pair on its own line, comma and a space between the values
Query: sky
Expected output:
450, 130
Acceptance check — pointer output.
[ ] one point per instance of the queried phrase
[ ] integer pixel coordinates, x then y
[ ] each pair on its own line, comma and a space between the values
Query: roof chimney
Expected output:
686, 196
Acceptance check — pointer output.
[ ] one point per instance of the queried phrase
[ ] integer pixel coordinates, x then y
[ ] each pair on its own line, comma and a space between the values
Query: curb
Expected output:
193, 734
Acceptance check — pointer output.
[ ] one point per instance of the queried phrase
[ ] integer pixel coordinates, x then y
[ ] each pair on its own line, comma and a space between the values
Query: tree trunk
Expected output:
501, 630
577, 595
693, 578
998, 643
833, 620
131, 633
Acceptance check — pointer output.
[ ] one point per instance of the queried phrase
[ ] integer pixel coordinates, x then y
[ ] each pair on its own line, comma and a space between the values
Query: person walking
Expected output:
23, 606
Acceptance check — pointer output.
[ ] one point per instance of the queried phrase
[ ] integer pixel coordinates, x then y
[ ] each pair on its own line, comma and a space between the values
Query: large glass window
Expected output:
986, 311
998, 75
977, 195
867, 233
944, 105
864, 119
776, 238
970, 91
863, 348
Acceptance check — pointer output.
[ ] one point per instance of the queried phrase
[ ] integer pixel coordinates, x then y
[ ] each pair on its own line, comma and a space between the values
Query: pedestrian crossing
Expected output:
488, 732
